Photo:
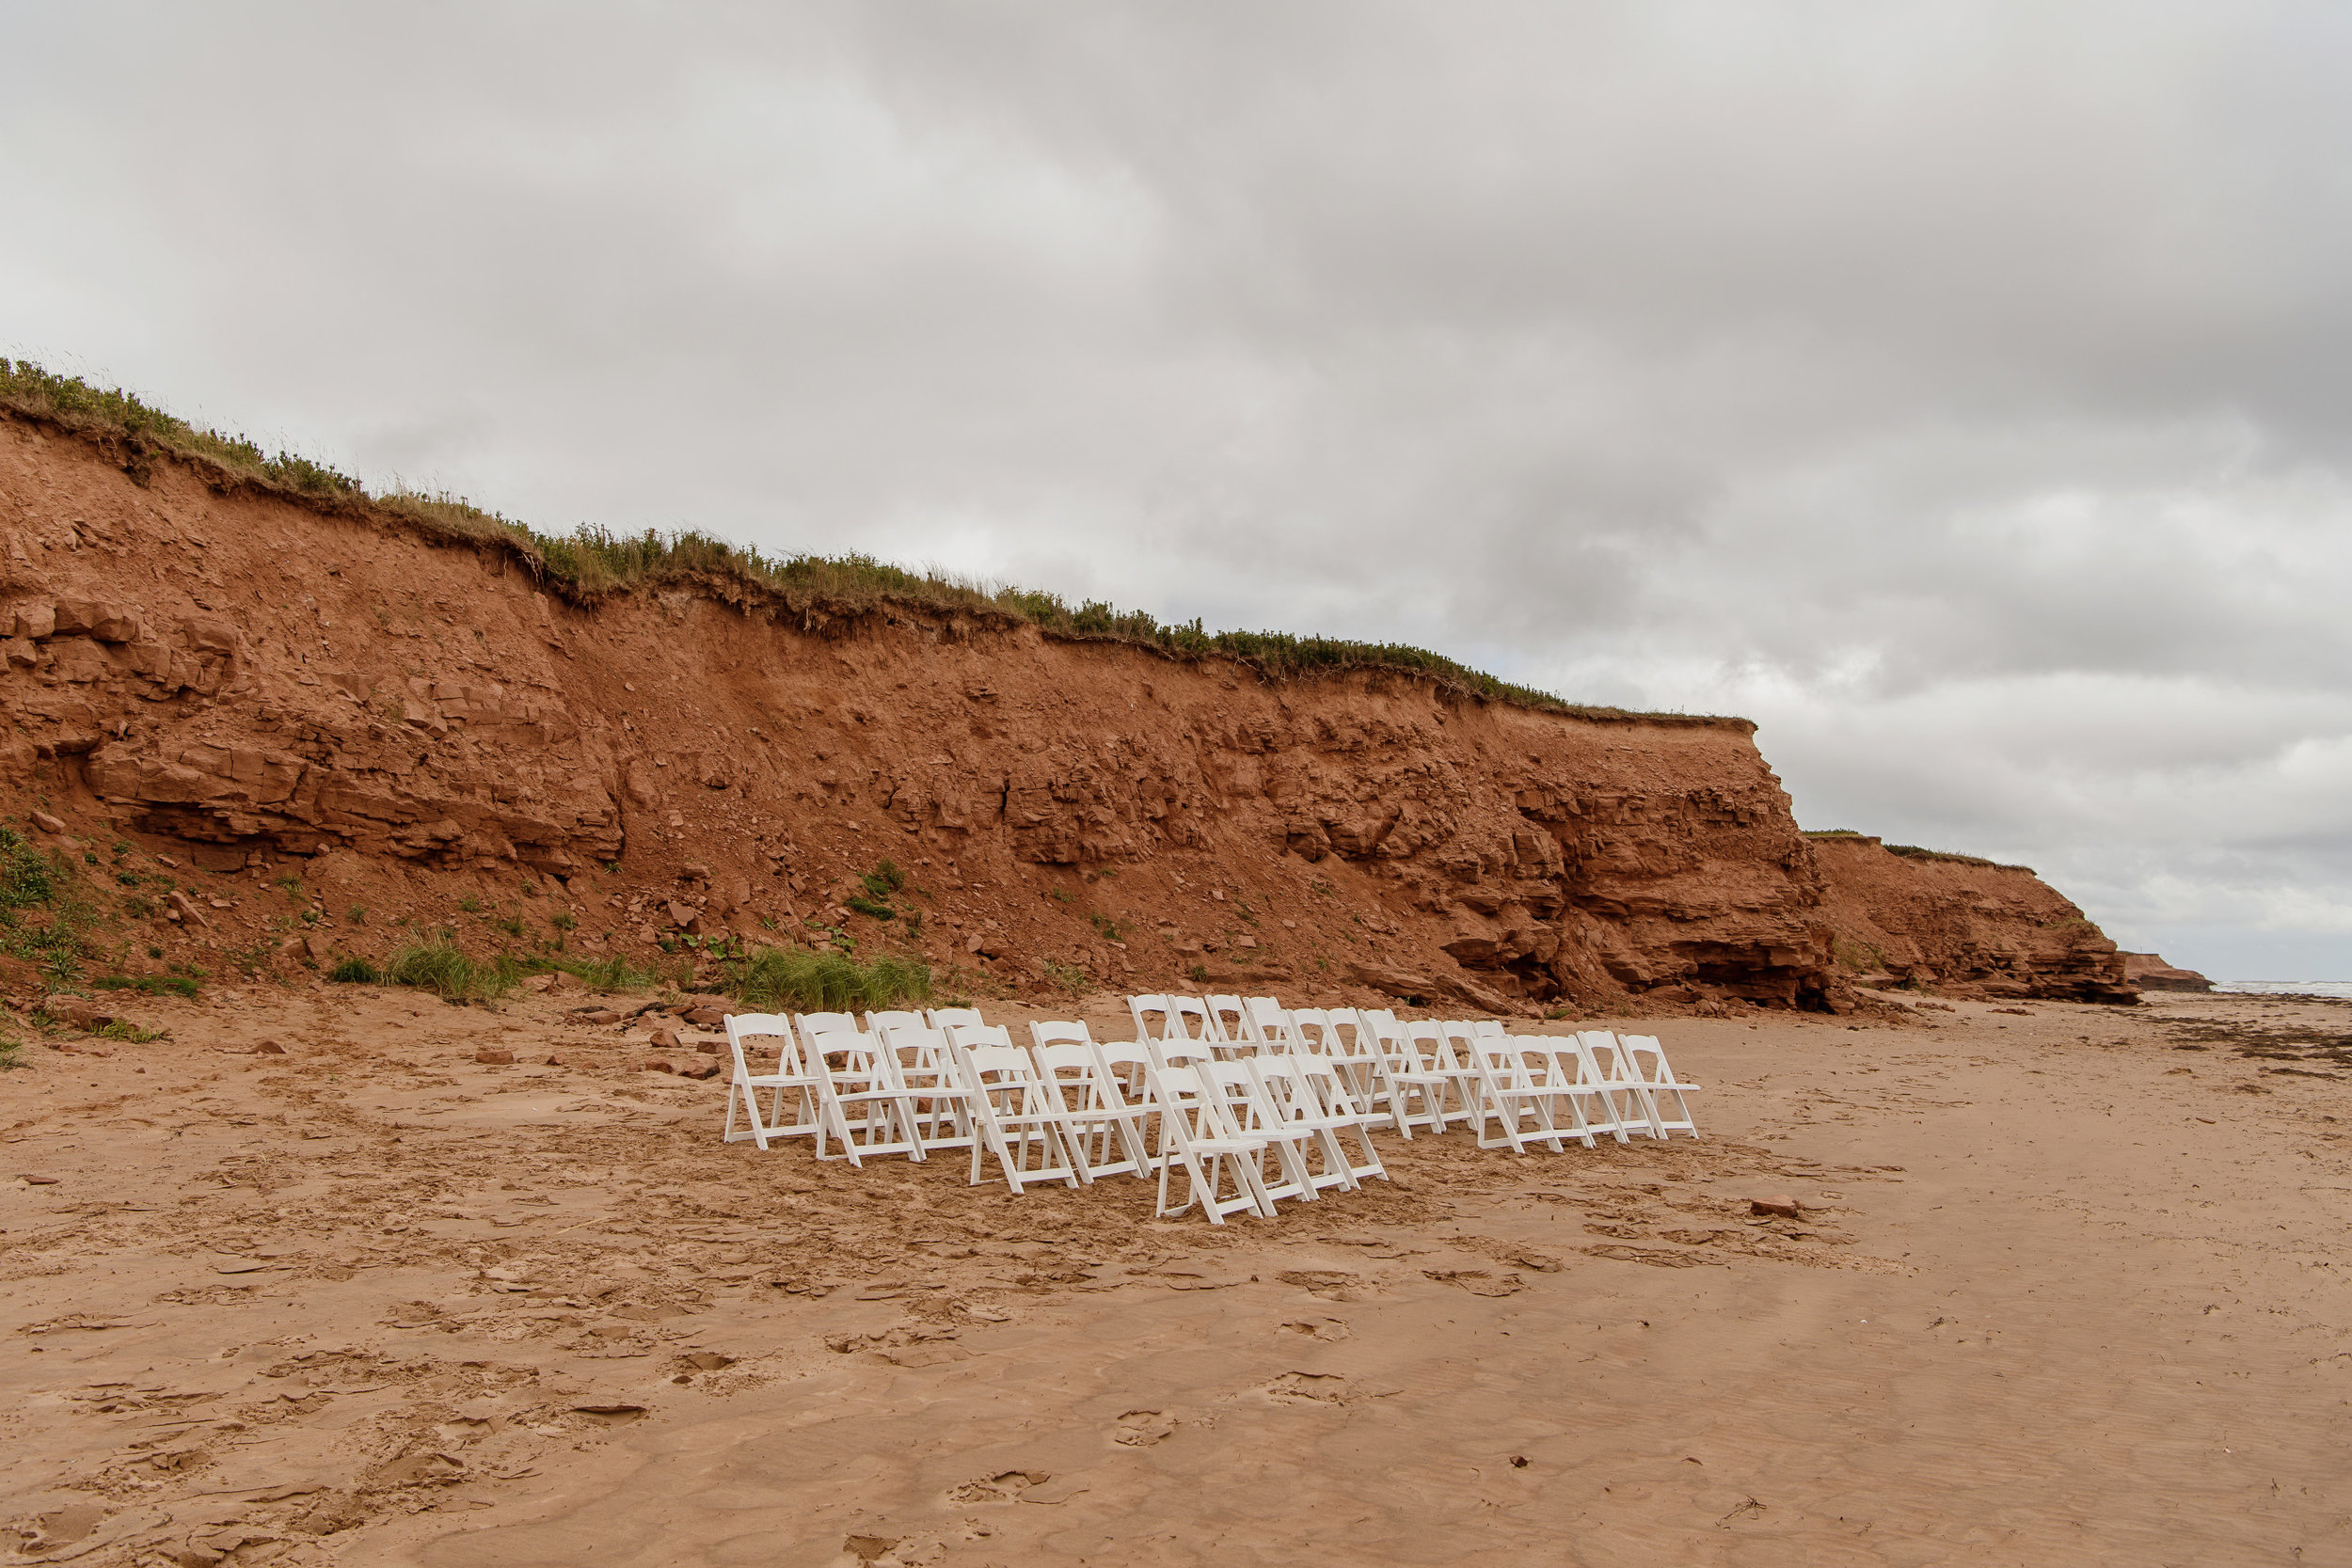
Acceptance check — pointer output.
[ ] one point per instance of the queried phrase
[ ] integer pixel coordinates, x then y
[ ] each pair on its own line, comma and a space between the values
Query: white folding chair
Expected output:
1350, 1048
1354, 1119
1312, 1093
1613, 1067
1436, 1049
1127, 1071
790, 1076
1105, 1133
1294, 1105
1646, 1059
1574, 1107
1583, 1106
1197, 1136
859, 1096
1509, 1093
1015, 1115
1253, 1115
950, 1017
929, 1071
1411, 1093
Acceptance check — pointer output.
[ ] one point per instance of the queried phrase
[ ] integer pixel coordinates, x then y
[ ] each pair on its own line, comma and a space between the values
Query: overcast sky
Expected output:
1963, 392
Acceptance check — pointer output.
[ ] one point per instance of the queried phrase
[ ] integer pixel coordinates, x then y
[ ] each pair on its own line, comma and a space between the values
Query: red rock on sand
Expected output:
268, 1048
494, 1055
1780, 1204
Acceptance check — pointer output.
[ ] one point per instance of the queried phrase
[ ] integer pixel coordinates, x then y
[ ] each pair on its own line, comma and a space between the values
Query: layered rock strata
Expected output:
1962, 926
249, 685
2153, 972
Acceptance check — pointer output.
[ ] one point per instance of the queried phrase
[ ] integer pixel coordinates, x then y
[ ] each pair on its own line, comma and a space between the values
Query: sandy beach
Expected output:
2069, 1286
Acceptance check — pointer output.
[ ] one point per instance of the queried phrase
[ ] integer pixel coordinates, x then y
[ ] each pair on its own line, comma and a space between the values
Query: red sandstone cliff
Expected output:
290, 723
1961, 925
249, 684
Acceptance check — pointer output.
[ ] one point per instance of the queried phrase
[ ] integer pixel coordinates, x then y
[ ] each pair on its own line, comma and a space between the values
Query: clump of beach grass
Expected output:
801, 981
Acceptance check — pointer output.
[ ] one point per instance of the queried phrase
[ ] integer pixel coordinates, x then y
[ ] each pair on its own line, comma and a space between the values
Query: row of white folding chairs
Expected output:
1435, 1074
1067, 1109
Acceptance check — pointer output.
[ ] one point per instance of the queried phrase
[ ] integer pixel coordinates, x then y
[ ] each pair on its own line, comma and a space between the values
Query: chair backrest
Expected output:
1461, 1033
1186, 1096
851, 1060
1328, 1077
1430, 1043
1042, 1034
1269, 1021
1537, 1057
1646, 1058
1236, 1084
1188, 1019
1228, 1021
1129, 1066
949, 1018
926, 1059
1282, 1080
1179, 1051
812, 1024
881, 1022
991, 1060
1145, 1008
1070, 1062
745, 1028
1311, 1030
1609, 1056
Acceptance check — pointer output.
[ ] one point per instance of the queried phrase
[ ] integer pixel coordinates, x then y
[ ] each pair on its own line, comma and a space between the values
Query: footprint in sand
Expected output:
1478, 1282
1330, 1284
1308, 1388
1328, 1330
1141, 1429
1004, 1487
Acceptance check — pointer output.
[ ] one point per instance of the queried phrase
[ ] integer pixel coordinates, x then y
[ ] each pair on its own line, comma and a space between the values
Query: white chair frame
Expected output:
790, 1076
1197, 1136
1105, 1133
860, 1100
1014, 1113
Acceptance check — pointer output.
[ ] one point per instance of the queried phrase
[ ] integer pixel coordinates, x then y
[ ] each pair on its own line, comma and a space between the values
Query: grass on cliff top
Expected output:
590, 562
1913, 852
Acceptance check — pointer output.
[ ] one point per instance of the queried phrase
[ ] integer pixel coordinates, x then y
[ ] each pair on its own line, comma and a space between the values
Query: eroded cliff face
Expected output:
258, 689
1963, 925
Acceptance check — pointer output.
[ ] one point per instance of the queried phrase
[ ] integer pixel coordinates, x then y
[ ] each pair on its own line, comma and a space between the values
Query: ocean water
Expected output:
2286, 987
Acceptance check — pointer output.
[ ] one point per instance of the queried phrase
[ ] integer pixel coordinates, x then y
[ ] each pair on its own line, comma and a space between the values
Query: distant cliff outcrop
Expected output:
1961, 925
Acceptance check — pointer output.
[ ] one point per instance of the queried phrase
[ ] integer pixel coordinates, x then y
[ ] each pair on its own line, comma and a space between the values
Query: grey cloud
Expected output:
1961, 391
